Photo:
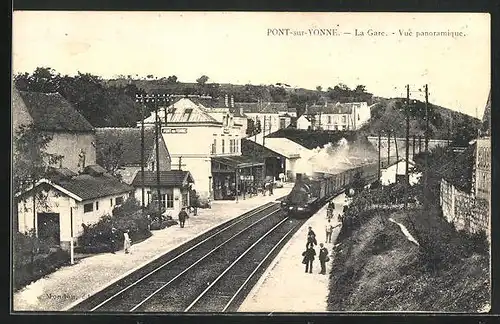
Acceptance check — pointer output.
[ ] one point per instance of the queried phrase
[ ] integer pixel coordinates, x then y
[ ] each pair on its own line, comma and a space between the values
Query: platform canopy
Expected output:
237, 161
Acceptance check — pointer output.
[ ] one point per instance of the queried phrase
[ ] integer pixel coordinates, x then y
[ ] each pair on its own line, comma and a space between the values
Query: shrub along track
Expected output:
213, 272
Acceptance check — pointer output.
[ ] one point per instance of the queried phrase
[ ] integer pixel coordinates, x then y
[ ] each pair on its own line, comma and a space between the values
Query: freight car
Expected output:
309, 193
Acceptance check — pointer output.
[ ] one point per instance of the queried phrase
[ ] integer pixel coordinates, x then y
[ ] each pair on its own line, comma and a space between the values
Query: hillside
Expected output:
377, 268
388, 115
295, 97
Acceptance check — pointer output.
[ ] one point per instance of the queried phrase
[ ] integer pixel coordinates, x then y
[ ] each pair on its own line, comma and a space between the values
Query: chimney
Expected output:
226, 101
298, 177
232, 101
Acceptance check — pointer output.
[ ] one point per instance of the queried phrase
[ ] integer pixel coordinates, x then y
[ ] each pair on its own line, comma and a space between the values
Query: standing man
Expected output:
328, 230
271, 185
182, 217
309, 255
311, 238
323, 258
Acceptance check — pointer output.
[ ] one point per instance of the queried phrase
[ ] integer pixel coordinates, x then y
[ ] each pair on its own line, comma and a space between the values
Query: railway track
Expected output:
212, 273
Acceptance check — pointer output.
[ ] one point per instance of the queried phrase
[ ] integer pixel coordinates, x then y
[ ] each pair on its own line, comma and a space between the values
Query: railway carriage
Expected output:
310, 192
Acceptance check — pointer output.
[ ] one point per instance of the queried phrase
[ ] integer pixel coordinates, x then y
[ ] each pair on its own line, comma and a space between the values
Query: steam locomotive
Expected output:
309, 193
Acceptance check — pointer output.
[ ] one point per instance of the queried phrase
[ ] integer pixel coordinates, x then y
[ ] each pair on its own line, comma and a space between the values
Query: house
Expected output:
270, 115
72, 135
66, 201
274, 162
339, 116
174, 186
128, 159
465, 197
304, 122
294, 153
396, 173
200, 142
219, 110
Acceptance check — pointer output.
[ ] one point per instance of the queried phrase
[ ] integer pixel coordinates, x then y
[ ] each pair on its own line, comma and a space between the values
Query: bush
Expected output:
33, 259
107, 234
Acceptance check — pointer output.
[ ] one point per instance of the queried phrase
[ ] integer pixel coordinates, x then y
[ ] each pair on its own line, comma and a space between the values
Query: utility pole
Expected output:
426, 144
180, 162
157, 164
413, 147
264, 132
396, 148
379, 147
389, 148
140, 99
407, 176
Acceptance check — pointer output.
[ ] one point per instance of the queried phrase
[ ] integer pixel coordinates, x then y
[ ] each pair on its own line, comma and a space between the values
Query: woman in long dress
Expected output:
126, 242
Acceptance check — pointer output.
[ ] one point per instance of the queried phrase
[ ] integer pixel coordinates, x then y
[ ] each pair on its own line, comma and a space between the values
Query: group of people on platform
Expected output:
309, 254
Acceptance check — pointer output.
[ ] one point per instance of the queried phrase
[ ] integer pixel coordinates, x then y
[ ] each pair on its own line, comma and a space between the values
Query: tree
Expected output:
202, 80
360, 88
30, 164
30, 159
110, 155
319, 88
172, 79
43, 79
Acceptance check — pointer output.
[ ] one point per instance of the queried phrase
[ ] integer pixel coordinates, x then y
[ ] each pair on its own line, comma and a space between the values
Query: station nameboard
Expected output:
174, 130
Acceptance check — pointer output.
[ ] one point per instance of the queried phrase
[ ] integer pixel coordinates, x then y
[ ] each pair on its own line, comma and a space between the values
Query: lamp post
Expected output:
72, 205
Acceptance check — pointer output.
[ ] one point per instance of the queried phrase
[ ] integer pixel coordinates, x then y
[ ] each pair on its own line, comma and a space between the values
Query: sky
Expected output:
244, 47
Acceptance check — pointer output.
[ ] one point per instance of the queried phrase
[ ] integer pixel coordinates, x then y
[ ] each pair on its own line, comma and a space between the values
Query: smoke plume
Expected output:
335, 158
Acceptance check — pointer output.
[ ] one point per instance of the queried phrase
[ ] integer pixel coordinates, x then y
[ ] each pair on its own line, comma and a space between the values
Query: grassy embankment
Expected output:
376, 268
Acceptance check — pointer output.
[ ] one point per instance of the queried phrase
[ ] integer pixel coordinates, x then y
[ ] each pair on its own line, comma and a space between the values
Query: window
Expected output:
170, 199
232, 146
329, 119
214, 146
96, 205
87, 208
119, 200
343, 119
152, 166
111, 202
163, 200
222, 146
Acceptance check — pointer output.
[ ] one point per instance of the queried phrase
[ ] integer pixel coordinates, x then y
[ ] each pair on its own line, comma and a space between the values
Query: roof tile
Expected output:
51, 112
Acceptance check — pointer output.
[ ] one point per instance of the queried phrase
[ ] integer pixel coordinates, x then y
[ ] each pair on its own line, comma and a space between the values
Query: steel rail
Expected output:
199, 260
233, 263
178, 256
258, 267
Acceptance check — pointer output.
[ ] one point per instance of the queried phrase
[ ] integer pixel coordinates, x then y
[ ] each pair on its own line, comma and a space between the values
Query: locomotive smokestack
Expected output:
298, 177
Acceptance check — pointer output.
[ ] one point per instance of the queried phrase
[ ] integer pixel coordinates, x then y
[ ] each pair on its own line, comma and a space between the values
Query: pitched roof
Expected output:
51, 112
171, 178
330, 108
263, 107
85, 186
487, 116
131, 141
184, 110
282, 146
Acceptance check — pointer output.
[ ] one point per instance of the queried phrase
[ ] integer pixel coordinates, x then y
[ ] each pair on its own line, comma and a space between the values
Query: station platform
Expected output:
284, 286
70, 284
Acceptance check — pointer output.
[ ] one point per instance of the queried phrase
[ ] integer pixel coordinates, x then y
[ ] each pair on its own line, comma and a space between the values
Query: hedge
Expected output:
107, 234
33, 259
